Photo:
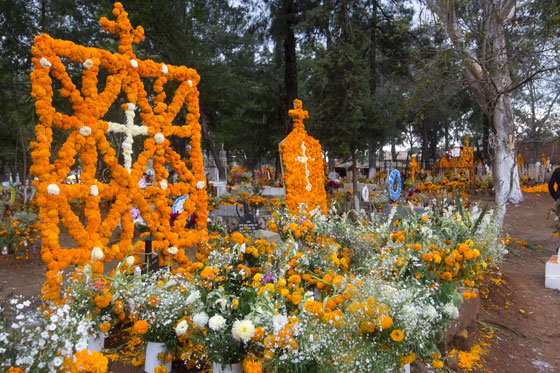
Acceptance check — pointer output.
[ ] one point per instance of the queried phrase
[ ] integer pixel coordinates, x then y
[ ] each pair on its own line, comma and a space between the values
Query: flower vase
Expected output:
96, 342
153, 349
226, 368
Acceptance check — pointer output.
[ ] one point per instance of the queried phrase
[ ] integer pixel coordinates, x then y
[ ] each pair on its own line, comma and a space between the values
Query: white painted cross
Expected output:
303, 159
130, 130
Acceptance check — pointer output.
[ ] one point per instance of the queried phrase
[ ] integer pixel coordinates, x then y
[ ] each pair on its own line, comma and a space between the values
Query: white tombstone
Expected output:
552, 272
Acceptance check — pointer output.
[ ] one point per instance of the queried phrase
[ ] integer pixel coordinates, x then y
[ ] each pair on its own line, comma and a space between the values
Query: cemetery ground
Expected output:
518, 326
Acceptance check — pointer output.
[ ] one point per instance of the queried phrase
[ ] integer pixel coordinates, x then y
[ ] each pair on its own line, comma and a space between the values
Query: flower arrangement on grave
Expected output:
18, 230
303, 165
156, 303
87, 136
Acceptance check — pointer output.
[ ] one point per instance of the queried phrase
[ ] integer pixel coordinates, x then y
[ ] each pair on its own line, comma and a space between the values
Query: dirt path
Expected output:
522, 314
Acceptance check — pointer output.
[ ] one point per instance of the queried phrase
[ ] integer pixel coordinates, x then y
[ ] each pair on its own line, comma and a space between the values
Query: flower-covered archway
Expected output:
87, 141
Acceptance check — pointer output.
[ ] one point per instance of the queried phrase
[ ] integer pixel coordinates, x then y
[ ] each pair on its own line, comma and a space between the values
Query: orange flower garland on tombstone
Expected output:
87, 139
303, 165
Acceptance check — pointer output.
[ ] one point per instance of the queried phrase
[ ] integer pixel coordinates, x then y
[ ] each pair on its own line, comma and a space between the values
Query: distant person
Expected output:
554, 188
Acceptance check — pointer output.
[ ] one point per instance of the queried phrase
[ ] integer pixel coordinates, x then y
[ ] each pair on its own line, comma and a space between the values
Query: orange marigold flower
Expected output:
237, 237
397, 335
160, 369
141, 327
427, 257
367, 326
105, 327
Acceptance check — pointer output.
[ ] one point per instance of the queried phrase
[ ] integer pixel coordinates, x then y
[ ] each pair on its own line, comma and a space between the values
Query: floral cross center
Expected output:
303, 159
130, 130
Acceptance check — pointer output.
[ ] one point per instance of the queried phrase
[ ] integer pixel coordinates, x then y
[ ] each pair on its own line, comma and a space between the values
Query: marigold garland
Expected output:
303, 165
88, 137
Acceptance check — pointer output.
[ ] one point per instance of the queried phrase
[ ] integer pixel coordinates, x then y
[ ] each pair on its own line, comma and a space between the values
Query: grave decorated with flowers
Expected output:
333, 292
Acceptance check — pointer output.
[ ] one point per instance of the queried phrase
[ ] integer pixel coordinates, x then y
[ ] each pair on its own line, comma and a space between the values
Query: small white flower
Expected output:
182, 327
172, 250
54, 318
93, 190
163, 184
130, 261
53, 189
57, 361
85, 131
137, 271
159, 138
88, 64
45, 63
200, 185
130, 106
243, 330
96, 253
164, 69
200, 319
216, 322
50, 327
133, 63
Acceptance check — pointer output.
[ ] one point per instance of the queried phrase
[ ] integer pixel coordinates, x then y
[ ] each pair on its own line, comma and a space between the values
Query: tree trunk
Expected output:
215, 154
485, 137
504, 162
372, 160
355, 182
290, 64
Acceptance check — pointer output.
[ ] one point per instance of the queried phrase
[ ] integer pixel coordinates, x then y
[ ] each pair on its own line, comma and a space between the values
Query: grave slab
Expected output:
552, 273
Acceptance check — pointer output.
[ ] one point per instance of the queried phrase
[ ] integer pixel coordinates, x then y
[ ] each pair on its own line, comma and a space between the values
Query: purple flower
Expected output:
268, 278
173, 217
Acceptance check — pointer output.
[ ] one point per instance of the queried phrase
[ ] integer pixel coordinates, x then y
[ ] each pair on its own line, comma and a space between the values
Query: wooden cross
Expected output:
298, 114
303, 159
130, 130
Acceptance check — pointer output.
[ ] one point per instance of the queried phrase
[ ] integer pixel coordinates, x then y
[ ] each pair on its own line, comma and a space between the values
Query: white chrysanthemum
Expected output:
200, 185
243, 330
159, 138
193, 297
88, 64
451, 310
85, 131
96, 253
45, 63
182, 327
130, 261
164, 69
134, 63
163, 184
94, 190
172, 250
200, 319
216, 322
53, 189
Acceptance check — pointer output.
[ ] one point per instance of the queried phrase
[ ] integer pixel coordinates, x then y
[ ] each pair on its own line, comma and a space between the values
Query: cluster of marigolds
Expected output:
87, 139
